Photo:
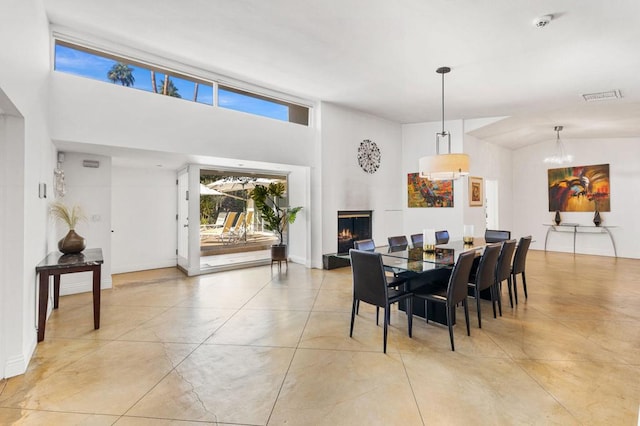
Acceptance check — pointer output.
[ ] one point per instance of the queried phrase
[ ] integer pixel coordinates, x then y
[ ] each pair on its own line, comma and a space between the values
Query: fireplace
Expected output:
353, 225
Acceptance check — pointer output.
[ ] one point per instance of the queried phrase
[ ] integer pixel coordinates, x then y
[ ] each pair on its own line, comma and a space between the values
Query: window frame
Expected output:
298, 112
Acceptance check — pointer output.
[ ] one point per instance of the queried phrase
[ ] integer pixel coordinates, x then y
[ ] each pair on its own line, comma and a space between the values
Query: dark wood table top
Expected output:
57, 260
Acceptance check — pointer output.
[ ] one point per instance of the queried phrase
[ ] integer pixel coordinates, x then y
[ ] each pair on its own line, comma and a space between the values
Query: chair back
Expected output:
231, 217
222, 216
369, 282
503, 270
239, 223
398, 243
486, 273
442, 237
365, 245
520, 259
416, 239
249, 220
496, 236
457, 289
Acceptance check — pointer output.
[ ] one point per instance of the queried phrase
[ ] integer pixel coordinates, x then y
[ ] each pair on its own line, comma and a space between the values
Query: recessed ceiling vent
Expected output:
602, 96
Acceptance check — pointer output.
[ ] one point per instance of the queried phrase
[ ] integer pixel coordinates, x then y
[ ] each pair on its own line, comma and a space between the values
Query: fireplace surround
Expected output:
353, 225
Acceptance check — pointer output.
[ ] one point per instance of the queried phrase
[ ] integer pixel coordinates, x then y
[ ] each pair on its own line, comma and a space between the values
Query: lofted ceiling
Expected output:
380, 56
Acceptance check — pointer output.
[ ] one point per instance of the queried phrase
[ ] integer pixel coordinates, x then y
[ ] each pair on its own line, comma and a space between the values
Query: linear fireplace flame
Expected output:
353, 225
345, 234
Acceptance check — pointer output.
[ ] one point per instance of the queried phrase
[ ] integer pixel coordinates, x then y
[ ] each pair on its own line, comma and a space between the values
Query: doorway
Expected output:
183, 219
231, 230
492, 203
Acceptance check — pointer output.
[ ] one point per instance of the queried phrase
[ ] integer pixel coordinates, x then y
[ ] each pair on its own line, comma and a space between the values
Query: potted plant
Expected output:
72, 242
275, 217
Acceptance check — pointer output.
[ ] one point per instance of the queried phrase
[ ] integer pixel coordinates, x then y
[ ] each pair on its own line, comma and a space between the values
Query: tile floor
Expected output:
255, 347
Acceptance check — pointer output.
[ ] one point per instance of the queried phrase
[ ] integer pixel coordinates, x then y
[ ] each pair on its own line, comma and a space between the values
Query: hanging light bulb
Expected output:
561, 156
443, 166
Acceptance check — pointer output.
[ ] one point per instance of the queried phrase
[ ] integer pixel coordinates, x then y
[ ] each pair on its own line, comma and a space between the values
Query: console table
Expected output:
591, 229
56, 264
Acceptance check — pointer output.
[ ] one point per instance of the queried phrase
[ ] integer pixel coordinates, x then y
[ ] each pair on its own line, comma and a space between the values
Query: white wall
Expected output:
300, 245
24, 81
488, 161
94, 112
89, 188
419, 140
345, 186
531, 205
11, 240
143, 219
85, 111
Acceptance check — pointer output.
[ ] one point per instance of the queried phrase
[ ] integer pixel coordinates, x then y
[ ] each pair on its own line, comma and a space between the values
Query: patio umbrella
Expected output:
204, 190
238, 183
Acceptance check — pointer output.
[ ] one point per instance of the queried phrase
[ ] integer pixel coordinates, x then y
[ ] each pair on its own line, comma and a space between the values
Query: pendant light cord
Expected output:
443, 71
443, 103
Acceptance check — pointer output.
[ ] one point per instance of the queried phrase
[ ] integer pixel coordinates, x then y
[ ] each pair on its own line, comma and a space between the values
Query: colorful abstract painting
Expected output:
425, 193
579, 189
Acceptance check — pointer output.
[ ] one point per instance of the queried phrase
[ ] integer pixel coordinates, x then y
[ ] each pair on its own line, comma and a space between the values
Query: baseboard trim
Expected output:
15, 366
83, 287
123, 269
299, 260
18, 364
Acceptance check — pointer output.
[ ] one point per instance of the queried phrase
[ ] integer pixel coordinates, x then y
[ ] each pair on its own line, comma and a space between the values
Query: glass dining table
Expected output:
426, 271
413, 259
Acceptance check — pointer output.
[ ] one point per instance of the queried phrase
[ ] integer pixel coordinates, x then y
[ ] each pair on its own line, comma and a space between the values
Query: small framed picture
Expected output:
476, 191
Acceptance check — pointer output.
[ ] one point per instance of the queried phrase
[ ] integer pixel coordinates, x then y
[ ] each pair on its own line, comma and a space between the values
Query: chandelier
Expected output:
443, 166
561, 155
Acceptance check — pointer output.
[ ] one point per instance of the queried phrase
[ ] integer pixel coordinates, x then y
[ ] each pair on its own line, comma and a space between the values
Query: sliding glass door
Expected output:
231, 230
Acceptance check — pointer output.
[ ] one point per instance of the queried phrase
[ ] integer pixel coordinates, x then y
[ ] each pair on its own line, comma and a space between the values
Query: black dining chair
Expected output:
496, 236
416, 239
519, 264
485, 276
455, 293
503, 270
398, 243
442, 237
366, 245
396, 281
370, 286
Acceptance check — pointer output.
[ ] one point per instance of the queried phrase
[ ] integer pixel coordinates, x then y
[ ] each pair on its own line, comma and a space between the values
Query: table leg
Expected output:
96, 297
56, 291
546, 238
43, 299
615, 252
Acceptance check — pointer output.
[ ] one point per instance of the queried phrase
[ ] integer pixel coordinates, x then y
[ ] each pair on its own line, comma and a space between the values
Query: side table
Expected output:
56, 264
584, 229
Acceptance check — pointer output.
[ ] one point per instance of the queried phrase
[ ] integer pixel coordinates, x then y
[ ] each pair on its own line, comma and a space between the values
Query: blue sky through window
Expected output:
245, 103
93, 66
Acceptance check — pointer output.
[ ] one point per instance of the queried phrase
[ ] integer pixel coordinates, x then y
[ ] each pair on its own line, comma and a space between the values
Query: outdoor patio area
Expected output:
259, 240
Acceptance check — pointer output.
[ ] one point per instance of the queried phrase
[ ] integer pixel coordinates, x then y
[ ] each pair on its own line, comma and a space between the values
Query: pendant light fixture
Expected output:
444, 166
561, 156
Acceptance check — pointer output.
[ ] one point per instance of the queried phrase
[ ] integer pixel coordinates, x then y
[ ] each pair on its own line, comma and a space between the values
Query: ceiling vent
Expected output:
602, 96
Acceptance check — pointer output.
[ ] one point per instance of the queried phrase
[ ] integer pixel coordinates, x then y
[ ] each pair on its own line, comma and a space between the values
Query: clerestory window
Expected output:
74, 59
241, 100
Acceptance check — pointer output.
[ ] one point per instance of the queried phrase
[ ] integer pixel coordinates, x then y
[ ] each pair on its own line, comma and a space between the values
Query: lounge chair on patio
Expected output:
213, 229
222, 216
248, 227
231, 234
226, 226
